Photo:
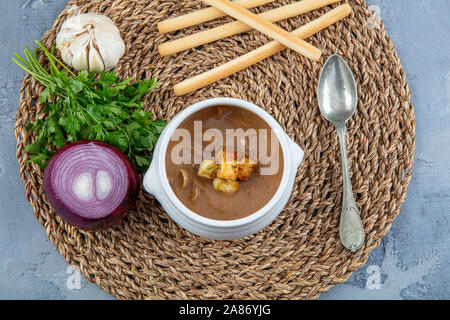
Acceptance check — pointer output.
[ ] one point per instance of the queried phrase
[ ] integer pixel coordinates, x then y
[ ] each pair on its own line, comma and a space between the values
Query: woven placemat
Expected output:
299, 256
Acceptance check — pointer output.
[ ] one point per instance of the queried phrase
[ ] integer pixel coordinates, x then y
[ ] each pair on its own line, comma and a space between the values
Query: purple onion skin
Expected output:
93, 224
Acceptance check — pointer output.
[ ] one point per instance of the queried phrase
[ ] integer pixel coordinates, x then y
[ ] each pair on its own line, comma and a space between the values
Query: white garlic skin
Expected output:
91, 42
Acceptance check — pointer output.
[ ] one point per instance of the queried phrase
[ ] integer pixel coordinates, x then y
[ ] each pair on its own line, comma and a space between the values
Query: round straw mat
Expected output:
299, 255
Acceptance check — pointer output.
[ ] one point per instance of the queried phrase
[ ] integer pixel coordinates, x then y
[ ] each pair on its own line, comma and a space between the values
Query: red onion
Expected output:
91, 184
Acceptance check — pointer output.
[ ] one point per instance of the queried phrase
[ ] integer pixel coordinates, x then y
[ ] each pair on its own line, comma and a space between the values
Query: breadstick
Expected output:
232, 28
261, 53
267, 28
203, 15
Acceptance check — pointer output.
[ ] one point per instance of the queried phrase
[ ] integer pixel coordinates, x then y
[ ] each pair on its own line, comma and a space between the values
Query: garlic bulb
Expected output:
91, 42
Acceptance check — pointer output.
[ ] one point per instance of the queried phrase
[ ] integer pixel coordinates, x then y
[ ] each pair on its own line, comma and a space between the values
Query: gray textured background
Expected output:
413, 259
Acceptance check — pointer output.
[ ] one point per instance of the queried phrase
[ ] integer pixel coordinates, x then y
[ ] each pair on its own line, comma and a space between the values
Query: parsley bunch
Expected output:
89, 106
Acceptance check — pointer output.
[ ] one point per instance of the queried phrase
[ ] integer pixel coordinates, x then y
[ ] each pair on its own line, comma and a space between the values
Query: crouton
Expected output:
227, 171
245, 169
226, 186
227, 165
207, 169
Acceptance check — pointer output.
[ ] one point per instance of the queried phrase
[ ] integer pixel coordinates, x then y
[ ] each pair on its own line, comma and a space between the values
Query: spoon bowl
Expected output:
337, 92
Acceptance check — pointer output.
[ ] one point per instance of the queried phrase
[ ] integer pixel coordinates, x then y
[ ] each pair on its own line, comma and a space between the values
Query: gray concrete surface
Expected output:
413, 259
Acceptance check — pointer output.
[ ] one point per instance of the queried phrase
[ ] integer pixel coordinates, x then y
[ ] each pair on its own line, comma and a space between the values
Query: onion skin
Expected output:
93, 224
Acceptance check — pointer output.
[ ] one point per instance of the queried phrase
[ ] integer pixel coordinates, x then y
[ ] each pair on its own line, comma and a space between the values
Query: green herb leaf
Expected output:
88, 106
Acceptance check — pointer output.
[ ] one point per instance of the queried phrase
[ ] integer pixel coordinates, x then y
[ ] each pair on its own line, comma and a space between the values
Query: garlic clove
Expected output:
80, 59
74, 53
66, 54
95, 60
70, 28
94, 19
110, 49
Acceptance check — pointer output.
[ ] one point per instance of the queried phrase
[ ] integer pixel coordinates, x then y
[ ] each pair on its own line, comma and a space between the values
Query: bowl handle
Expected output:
296, 153
150, 181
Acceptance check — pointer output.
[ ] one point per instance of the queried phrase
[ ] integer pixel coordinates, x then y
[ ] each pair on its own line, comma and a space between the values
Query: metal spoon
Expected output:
338, 98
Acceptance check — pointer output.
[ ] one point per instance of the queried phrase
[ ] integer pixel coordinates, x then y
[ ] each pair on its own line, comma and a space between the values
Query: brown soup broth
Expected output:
252, 195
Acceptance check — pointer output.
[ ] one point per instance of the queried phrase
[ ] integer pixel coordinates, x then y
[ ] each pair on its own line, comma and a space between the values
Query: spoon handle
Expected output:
351, 230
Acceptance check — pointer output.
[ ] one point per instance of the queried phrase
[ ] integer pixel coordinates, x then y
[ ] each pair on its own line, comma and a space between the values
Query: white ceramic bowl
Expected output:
156, 182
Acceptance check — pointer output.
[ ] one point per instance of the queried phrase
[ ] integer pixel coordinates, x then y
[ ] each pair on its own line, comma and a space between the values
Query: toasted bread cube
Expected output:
207, 169
227, 171
245, 169
227, 165
226, 186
